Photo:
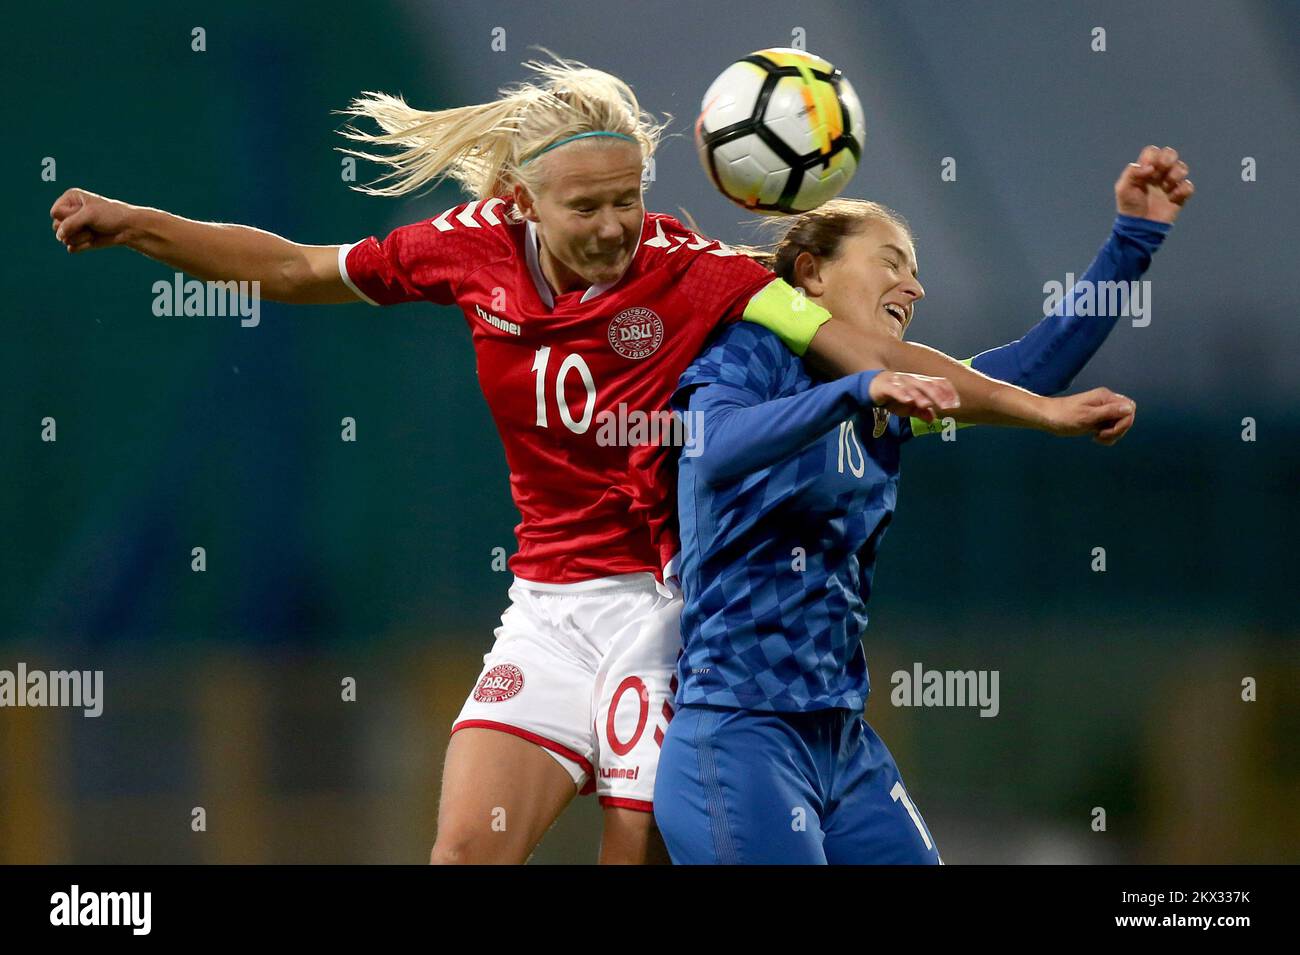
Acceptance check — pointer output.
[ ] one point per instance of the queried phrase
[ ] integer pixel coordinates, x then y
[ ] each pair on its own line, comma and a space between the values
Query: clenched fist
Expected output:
1155, 187
83, 220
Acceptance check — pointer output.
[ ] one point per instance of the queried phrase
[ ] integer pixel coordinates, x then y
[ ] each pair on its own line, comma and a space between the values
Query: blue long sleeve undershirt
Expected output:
744, 436
1047, 357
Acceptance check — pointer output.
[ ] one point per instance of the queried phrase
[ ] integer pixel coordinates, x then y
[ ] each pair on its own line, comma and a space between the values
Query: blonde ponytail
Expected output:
486, 147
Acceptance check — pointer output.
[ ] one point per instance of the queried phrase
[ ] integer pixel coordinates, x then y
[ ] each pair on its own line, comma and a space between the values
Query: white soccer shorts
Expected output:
588, 672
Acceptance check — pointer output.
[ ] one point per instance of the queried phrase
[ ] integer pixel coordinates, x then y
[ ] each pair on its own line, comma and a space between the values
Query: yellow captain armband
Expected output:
786, 311
920, 427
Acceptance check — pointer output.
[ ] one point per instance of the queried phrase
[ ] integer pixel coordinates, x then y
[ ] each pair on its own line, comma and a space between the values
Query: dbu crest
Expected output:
636, 333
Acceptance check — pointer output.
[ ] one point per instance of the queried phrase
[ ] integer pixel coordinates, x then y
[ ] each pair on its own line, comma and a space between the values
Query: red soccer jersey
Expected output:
554, 367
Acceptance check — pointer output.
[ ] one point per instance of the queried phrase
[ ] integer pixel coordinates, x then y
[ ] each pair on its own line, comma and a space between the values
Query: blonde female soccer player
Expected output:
581, 305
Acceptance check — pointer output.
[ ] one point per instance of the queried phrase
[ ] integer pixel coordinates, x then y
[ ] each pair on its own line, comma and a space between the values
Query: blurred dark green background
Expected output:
373, 559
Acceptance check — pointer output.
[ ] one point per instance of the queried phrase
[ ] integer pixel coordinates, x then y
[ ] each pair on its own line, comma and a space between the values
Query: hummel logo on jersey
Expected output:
622, 773
487, 212
660, 241
496, 321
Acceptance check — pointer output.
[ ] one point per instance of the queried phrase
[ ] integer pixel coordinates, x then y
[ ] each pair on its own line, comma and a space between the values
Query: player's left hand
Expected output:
1102, 413
1155, 187
1112, 431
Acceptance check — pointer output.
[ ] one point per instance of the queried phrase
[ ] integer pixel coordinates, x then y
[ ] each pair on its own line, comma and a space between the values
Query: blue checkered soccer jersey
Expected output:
751, 787
776, 566
768, 759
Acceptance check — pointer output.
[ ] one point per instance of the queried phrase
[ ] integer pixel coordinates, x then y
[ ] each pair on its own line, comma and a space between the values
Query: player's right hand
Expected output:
1155, 187
83, 220
914, 396
1102, 413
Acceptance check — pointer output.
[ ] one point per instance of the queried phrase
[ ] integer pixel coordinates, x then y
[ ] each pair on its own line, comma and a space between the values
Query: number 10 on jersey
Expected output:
572, 362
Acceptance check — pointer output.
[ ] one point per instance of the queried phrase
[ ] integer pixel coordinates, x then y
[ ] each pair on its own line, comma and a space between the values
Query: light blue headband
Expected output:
569, 139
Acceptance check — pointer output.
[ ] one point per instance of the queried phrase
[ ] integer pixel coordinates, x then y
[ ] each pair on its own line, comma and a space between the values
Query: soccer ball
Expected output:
780, 131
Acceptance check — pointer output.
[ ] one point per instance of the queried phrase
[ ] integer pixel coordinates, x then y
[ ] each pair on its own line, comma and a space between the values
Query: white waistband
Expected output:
641, 580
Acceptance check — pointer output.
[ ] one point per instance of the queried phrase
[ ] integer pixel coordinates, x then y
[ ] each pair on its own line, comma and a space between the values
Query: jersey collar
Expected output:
532, 252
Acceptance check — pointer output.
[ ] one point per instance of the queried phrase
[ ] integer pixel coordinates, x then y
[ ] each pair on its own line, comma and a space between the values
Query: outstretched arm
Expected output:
982, 400
1153, 189
743, 433
1149, 194
287, 271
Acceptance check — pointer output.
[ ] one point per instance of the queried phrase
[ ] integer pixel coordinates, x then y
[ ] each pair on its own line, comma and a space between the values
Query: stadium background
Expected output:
373, 560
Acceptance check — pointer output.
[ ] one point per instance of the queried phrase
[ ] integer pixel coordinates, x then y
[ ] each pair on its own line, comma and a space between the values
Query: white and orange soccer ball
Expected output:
780, 131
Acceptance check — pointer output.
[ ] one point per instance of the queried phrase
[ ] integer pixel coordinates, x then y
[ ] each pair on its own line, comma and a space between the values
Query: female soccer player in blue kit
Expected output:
768, 759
